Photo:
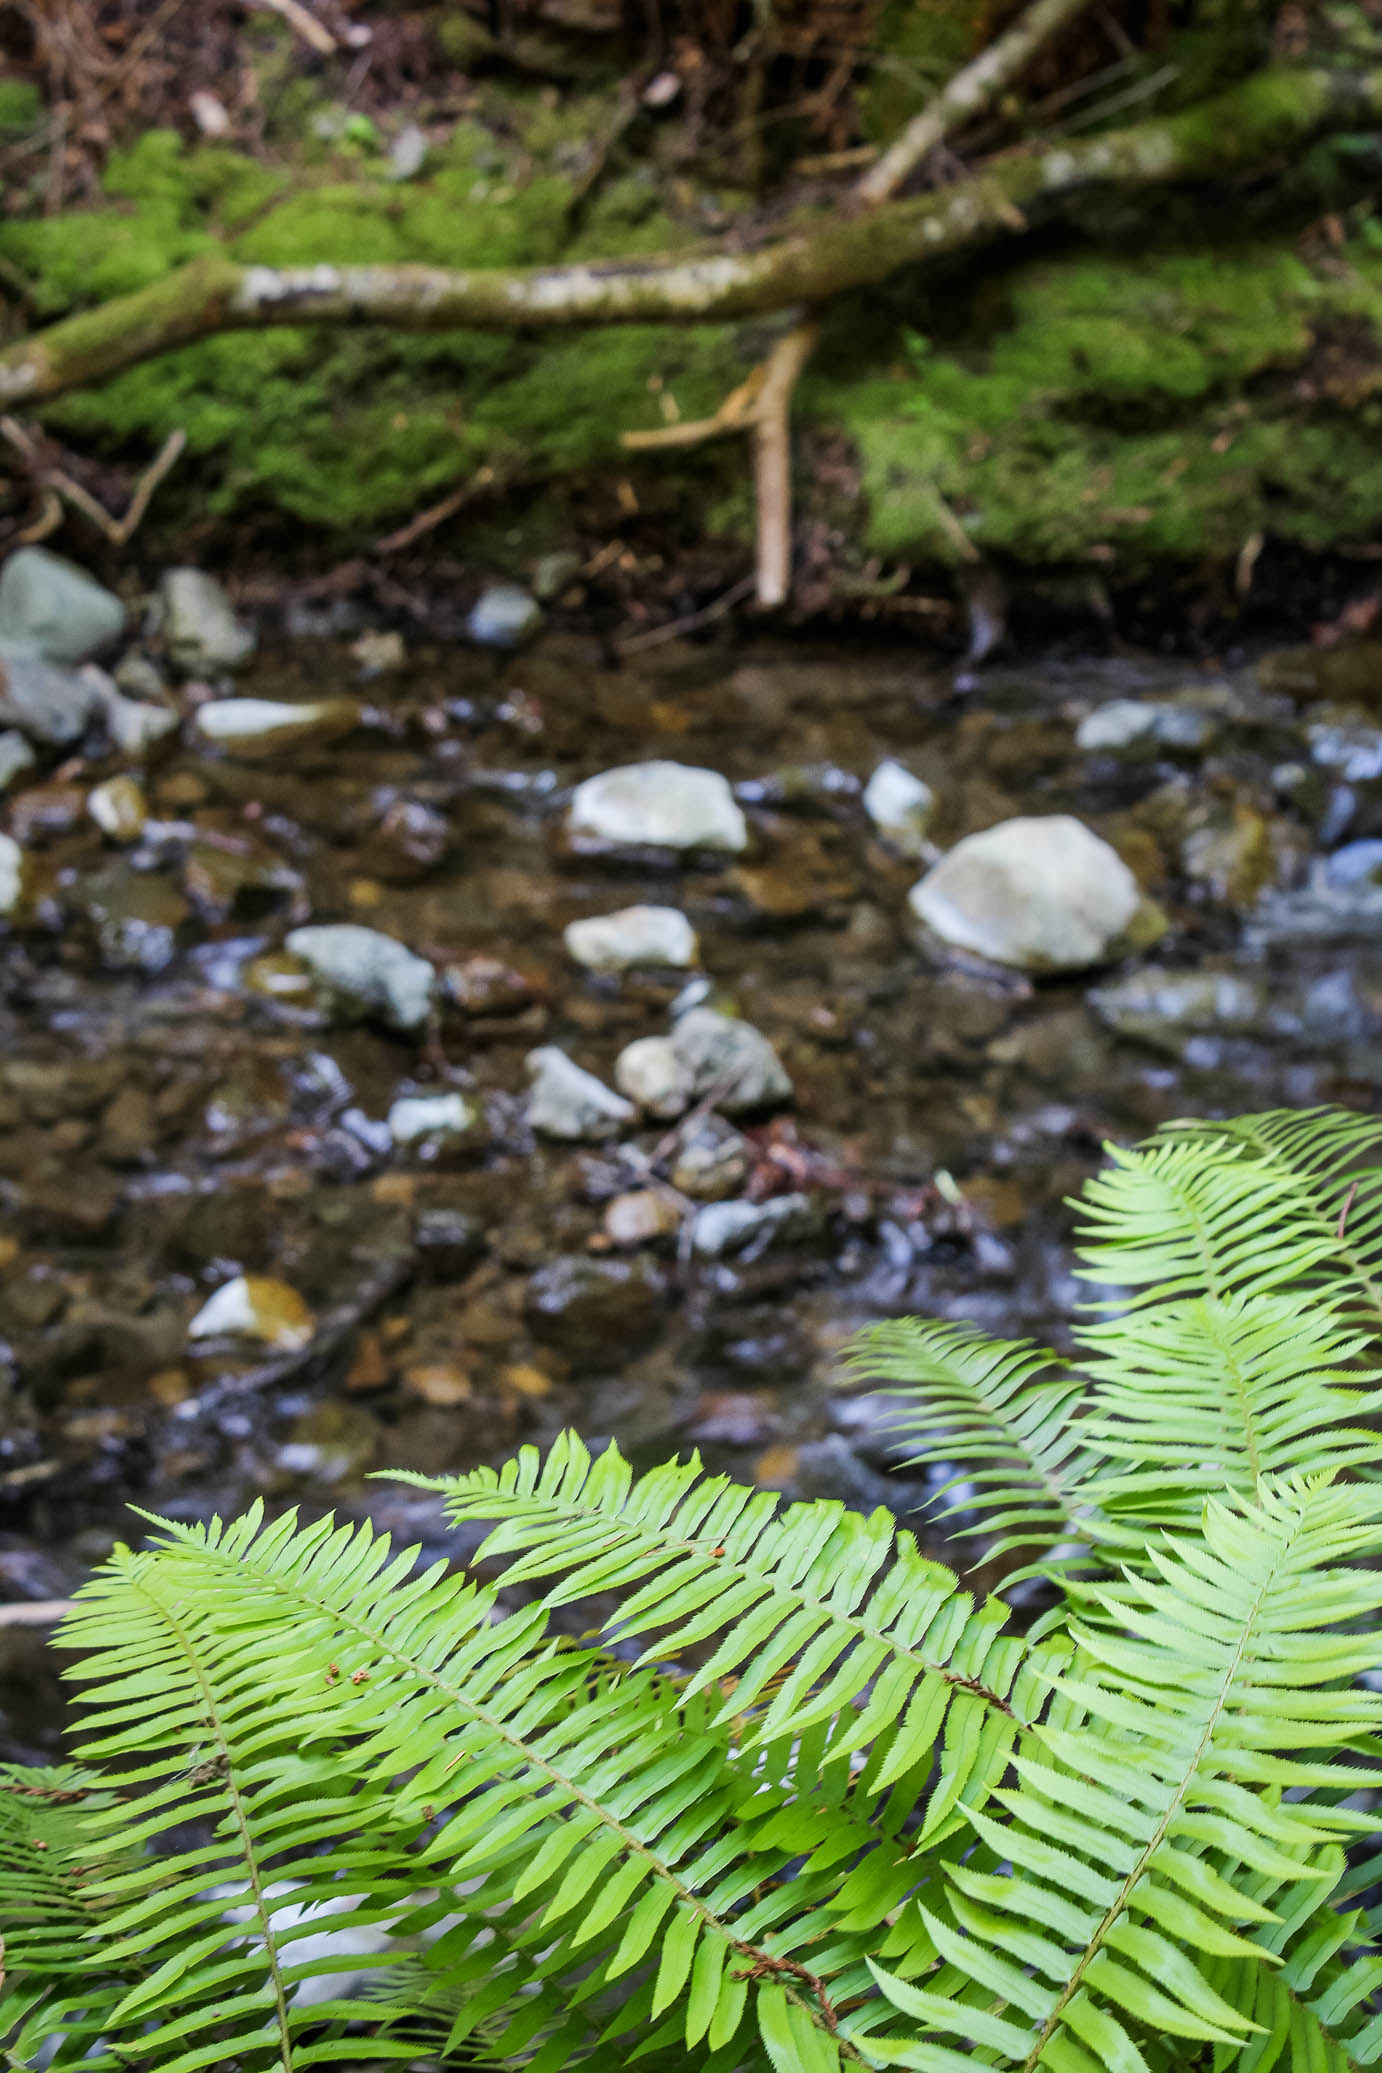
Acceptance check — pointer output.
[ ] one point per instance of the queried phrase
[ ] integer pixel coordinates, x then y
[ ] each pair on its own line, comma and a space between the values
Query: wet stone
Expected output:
504, 616
723, 1228
731, 1060
657, 805
137, 915
361, 974
641, 1217
900, 806
652, 1074
51, 608
15, 758
119, 808
47, 810
201, 633
1132, 727
634, 936
45, 702
711, 1160
332, 1443
265, 727
11, 877
568, 1102
1168, 1009
594, 1311
256, 1307
431, 1120
1043, 894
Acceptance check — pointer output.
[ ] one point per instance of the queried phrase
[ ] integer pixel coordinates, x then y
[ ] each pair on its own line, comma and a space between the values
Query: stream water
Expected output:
164, 1126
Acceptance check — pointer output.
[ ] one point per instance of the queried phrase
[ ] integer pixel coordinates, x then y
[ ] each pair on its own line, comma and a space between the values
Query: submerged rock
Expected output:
253, 1306
658, 805
1169, 1009
11, 876
52, 609
633, 936
1357, 863
201, 631
15, 758
1137, 727
119, 808
504, 616
47, 703
595, 1311
262, 726
641, 1217
570, 1103
133, 724
1044, 894
900, 807
361, 973
651, 1073
137, 916
731, 1059
712, 1160
431, 1119
733, 1227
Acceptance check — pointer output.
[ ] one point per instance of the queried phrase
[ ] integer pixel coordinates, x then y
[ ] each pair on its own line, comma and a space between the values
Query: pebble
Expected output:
44, 701
431, 1119
650, 1072
15, 757
732, 1227
633, 936
253, 1306
1165, 1009
900, 806
361, 973
201, 632
568, 1102
408, 153
504, 616
1134, 725
11, 875
595, 1311
712, 1160
262, 726
1042, 893
52, 609
119, 808
378, 651
640, 1217
659, 805
554, 573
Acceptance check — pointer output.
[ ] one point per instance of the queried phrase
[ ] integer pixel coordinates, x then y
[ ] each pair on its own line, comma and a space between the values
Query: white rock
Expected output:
362, 972
663, 805
253, 1307
413, 1118
727, 1227
50, 607
651, 1073
11, 874
200, 630
15, 757
633, 936
900, 806
568, 1102
119, 808
731, 1059
260, 726
1044, 894
133, 724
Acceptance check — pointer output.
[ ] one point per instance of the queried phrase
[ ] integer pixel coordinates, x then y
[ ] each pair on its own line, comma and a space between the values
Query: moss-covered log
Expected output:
1271, 115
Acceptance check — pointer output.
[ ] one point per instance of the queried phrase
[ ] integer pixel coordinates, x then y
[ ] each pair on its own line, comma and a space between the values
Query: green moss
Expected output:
21, 106
918, 45
1147, 406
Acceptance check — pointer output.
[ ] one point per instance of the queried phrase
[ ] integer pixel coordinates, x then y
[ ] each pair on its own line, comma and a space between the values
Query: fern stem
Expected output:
237, 1807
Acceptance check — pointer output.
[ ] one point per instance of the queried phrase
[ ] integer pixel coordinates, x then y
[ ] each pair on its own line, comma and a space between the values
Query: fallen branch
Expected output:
968, 94
1276, 111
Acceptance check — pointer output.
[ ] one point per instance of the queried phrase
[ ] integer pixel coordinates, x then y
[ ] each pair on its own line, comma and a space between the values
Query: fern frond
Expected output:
1329, 1161
1312, 1992
54, 2001
1153, 1794
1004, 1412
595, 1827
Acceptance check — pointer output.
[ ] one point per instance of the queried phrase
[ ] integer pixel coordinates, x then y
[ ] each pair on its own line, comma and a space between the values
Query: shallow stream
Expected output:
164, 1126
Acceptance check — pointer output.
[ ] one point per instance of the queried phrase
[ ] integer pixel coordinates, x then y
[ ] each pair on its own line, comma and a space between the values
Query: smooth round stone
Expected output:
900, 806
658, 805
262, 726
504, 616
731, 1060
362, 973
570, 1103
201, 631
729, 1227
253, 1306
1044, 894
119, 808
430, 1118
651, 1073
54, 609
634, 936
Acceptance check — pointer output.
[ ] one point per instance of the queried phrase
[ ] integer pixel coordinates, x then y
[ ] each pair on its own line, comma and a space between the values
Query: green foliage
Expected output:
802, 1804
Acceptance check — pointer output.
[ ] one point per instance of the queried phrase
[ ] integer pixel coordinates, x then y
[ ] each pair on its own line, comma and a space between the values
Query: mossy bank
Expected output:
1102, 403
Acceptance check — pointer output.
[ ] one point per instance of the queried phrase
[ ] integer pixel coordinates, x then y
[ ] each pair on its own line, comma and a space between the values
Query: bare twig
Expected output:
772, 463
482, 479
968, 94
56, 482
708, 614
306, 24
36, 1612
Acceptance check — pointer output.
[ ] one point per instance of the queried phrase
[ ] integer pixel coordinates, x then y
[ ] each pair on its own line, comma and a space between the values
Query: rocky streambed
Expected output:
410, 1050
